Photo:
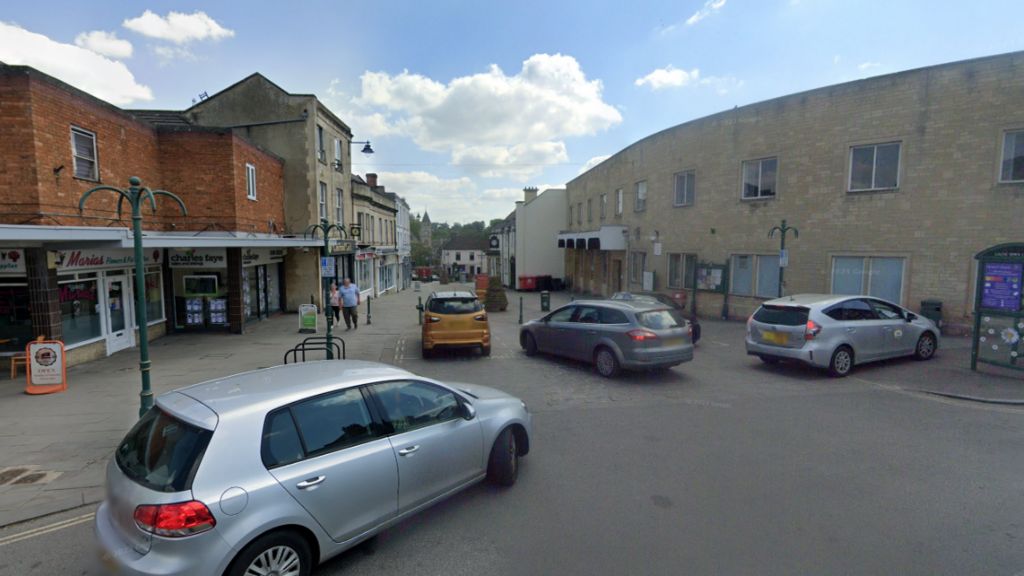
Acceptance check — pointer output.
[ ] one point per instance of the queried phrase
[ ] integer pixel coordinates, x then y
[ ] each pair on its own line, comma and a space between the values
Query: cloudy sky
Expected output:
468, 102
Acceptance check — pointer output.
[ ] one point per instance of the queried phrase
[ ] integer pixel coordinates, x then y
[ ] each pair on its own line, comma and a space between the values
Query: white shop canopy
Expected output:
604, 238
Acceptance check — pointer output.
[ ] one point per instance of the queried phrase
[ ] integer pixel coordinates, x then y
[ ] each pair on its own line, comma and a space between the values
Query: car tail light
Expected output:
480, 317
641, 335
175, 520
689, 330
433, 319
750, 322
812, 330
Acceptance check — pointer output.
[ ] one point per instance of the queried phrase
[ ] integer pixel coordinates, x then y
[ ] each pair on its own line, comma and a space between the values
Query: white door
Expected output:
120, 319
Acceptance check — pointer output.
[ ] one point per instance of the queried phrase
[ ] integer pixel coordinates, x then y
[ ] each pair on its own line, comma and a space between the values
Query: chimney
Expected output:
529, 193
371, 179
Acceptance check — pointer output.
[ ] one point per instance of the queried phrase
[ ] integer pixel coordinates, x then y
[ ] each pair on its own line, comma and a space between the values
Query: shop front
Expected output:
261, 282
365, 271
15, 317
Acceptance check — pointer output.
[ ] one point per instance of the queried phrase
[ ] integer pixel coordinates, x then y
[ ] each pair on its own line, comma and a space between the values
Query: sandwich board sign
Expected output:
307, 318
47, 369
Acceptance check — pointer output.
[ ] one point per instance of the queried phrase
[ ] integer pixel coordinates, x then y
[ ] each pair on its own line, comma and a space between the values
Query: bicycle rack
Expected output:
315, 344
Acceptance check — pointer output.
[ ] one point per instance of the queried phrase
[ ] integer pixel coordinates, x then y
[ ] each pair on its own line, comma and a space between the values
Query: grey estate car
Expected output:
613, 334
837, 332
275, 470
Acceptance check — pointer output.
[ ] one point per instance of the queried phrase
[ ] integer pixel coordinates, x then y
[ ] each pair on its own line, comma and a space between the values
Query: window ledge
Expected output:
682, 205
95, 180
1010, 183
758, 199
873, 191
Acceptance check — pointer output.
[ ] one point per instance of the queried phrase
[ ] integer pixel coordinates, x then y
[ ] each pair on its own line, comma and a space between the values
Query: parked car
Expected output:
838, 332
275, 470
677, 303
454, 319
613, 334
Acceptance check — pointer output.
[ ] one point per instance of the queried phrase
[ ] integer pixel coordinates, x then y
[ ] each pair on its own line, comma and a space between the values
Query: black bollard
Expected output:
520, 309
369, 320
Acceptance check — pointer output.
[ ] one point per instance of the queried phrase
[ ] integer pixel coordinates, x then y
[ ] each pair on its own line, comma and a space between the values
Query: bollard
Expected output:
368, 319
419, 310
520, 309
545, 301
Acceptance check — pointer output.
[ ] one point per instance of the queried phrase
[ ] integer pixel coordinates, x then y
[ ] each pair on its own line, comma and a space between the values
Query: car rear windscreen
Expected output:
661, 319
162, 452
781, 315
455, 305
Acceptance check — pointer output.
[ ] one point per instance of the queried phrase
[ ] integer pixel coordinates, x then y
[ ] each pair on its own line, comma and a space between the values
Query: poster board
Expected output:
711, 277
47, 367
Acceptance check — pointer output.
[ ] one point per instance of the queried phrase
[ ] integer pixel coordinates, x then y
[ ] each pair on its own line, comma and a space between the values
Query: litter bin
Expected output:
544, 283
545, 301
528, 283
932, 310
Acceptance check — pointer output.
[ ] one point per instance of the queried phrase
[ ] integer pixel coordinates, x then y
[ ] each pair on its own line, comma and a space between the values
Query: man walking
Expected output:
349, 304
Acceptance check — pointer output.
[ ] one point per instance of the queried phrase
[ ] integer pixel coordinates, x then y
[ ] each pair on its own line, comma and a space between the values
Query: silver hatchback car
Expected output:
613, 334
273, 471
837, 332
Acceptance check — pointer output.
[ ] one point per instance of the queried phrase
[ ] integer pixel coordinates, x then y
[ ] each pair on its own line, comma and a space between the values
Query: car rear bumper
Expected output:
457, 339
807, 353
643, 359
195, 555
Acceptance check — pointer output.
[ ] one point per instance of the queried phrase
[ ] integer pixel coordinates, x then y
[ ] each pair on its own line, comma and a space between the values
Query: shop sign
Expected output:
46, 367
12, 262
327, 268
198, 258
307, 318
90, 259
260, 256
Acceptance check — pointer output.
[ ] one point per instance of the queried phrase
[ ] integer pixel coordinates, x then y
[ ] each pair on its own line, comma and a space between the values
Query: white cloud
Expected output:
710, 7
836, 59
864, 66
593, 162
167, 53
84, 69
519, 162
178, 27
491, 117
104, 44
668, 76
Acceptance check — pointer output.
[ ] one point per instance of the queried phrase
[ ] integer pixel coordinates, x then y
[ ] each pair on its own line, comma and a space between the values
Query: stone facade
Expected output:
947, 204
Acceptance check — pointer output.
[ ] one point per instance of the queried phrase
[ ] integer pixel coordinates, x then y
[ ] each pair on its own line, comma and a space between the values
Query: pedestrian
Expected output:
349, 304
335, 301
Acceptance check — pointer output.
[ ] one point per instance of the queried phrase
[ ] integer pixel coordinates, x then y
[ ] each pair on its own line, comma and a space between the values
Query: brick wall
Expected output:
17, 162
256, 215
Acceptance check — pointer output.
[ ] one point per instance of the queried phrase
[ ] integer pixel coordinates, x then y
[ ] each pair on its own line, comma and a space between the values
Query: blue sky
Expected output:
468, 102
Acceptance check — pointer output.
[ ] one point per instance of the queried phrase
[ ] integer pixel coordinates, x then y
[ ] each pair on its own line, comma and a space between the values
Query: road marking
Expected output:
13, 538
721, 343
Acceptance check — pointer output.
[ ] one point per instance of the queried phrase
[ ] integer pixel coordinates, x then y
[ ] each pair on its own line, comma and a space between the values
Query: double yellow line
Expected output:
13, 538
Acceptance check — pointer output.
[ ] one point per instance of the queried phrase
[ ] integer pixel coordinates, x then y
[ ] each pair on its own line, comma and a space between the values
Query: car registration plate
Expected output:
673, 341
780, 338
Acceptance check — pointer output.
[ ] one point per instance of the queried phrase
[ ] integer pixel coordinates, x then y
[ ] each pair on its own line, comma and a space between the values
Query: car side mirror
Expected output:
468, 412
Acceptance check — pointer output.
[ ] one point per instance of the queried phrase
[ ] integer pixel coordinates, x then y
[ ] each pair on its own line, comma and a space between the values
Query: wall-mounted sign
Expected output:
91, 259
197, 258
46, 367
327, 267
12, 262
259, 256
711, 278
1001, 286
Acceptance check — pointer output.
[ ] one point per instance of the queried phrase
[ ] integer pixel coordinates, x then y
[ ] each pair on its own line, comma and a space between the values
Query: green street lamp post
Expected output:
136, 194
783, 229
326, 228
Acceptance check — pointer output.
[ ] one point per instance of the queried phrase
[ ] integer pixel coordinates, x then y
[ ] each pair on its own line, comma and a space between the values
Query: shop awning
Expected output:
60, 237
605, 238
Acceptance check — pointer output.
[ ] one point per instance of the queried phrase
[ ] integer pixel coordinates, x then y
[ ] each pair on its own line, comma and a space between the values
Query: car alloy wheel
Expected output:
607, 365
925, 347
276, 561
842, 362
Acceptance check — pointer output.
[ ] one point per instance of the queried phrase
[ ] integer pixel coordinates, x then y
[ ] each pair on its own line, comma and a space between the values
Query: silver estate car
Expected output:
613, 334
837, 332
276, 470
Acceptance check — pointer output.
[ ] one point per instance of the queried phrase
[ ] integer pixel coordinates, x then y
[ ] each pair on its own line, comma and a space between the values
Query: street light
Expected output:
366, 149
783, 257
325, 227
136, 194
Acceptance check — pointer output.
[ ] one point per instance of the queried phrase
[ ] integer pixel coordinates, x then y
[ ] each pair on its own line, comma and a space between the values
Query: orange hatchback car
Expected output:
455, 320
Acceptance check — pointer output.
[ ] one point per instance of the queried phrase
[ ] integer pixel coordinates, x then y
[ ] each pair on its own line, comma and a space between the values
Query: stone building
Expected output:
893, 182
377, 261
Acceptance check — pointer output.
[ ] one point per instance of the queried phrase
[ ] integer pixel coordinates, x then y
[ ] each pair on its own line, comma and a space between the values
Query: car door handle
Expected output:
310, 482
851, 330
409, 450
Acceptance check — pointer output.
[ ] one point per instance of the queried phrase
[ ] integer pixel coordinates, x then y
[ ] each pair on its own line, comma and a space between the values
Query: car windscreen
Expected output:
455, 305
781, 315
162, 452
660, 319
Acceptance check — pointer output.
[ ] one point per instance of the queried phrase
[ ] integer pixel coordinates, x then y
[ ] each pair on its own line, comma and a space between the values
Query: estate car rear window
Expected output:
162, 452
455, 305
781, 315
661, 319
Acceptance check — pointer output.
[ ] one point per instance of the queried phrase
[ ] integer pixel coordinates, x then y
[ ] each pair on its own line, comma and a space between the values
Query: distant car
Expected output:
612, 334
838, 332
275, 470
455, 319
664, 299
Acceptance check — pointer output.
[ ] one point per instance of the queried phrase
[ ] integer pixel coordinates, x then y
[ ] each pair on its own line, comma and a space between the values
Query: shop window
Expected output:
80, 312
878, 277
15, 320
681, 270
154, 296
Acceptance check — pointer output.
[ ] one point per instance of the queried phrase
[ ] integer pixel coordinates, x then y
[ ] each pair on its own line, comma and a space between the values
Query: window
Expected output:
162, 452
590, 210
1013, 157
612, 316
323, 200
878, 277
458, 256
83, 152
337, 154
562, 314
454, 305
604, 205
471, 254
579, 213
154, 295
15, 318
339, 207
681, 268
661, 319
250, 181
281, 444
886, 311
637, 265
874, 167
411, 405
685, 185
333, 421
588, 315
321, 153
855, 309
81, 320
618, 202
755, 275
759, 178
640, 203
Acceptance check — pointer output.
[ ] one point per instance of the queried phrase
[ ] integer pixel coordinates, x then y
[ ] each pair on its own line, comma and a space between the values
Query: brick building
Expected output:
68, 275
894, 183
